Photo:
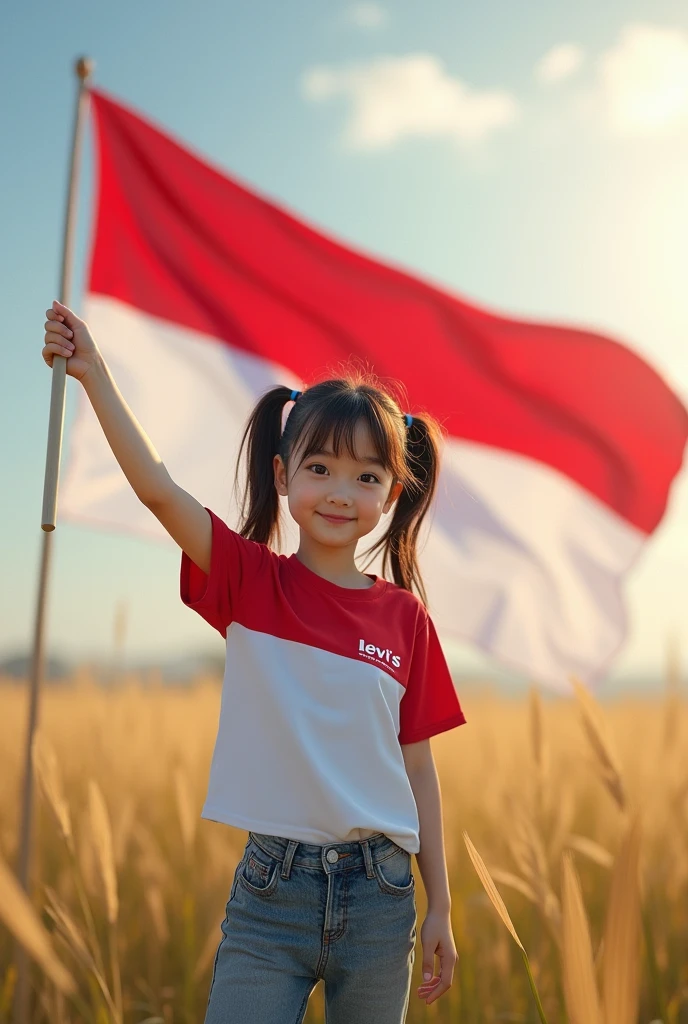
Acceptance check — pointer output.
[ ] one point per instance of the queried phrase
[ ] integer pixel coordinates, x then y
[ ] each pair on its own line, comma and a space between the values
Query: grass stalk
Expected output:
498, 903
533, 987
656, 985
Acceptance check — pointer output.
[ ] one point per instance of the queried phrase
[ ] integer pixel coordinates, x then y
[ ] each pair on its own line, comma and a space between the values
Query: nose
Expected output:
339, 497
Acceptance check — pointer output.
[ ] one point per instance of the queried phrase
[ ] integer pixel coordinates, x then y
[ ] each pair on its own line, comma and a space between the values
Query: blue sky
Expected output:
532, 157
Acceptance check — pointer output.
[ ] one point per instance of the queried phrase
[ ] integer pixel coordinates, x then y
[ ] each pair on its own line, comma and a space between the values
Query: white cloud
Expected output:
392, 98
643, 80
558, 63
367, 16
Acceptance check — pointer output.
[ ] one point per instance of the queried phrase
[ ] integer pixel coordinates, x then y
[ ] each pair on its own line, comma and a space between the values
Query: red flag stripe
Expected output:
179, 240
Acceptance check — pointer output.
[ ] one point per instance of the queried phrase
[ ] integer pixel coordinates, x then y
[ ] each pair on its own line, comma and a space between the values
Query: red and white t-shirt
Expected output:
322, 686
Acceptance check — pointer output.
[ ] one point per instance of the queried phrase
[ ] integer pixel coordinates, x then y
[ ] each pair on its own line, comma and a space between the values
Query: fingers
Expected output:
55, 345
436, 985
65, 314
432, 990
57, 328
59, 343
58, 332
431, 980
429, 986
439, 984
50, 353
53, 348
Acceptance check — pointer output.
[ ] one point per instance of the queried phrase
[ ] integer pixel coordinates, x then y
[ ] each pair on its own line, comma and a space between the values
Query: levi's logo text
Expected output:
383, 654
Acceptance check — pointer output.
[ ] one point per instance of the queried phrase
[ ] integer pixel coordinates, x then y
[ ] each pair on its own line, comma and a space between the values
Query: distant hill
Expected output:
176, 670
183, 669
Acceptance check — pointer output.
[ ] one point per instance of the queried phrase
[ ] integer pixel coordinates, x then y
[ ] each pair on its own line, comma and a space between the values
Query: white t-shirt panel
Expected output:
309, 775
322, 686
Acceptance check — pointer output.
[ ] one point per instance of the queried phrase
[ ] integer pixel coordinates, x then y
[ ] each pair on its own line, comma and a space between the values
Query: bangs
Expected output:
336, 418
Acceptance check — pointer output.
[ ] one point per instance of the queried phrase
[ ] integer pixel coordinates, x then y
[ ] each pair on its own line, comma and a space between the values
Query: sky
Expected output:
532, 158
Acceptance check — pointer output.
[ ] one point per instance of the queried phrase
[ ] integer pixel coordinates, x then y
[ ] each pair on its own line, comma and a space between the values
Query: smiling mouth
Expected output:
337, 519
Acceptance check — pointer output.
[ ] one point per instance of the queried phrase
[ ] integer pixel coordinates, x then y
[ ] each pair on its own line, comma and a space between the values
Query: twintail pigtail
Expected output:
399, 543
259, 505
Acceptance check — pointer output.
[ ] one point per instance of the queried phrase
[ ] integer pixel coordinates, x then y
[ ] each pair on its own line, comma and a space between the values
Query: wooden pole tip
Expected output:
84, 67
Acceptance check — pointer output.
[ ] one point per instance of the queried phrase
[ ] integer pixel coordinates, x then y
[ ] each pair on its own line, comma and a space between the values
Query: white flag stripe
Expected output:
192, 396
517, 558
526, 564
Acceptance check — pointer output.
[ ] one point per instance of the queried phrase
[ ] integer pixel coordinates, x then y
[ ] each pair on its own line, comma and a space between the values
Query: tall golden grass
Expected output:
566, 822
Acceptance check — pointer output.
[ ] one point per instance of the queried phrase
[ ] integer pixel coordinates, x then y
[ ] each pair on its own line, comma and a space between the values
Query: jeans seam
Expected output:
392, 854
304, 1003
217, 954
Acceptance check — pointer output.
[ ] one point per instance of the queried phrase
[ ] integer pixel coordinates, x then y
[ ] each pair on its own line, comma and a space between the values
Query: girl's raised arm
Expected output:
184, 518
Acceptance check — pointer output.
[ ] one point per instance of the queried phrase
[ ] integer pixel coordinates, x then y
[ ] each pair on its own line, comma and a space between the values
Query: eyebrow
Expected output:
366, 458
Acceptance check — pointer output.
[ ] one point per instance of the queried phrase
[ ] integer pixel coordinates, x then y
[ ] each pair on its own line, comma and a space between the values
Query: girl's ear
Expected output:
280, 475
393, 495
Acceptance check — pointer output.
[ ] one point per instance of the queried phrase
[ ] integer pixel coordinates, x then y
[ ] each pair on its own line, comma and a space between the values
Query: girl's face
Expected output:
357, 491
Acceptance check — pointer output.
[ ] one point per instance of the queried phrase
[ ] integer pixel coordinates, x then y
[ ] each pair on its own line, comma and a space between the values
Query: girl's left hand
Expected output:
437, 940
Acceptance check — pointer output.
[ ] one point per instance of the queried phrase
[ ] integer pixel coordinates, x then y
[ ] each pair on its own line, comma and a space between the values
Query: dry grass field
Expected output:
579, 812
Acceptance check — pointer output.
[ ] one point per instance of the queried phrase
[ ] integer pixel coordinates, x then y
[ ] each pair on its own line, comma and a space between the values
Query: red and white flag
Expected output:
562, 444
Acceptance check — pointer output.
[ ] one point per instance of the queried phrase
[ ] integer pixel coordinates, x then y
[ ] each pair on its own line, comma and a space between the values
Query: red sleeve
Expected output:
233, 560
430, 704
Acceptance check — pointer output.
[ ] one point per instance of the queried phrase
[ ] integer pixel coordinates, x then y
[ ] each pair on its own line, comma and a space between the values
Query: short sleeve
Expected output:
430, 704
233, 560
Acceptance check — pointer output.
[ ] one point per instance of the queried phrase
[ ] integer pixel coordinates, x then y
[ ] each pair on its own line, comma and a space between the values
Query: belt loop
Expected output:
288, 858
367, 857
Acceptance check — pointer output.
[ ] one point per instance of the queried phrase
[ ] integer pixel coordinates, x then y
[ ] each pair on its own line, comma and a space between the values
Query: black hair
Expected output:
328, 410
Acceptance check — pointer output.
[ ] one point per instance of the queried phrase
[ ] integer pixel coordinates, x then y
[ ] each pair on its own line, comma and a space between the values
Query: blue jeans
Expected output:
344, 912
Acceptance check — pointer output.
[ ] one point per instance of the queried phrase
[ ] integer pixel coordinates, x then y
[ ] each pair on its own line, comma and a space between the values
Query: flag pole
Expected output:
83, 69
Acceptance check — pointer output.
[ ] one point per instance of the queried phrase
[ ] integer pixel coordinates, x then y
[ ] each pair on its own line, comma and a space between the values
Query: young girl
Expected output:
334, 684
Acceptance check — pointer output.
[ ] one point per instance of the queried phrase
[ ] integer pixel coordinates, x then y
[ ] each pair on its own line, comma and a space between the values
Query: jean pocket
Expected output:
260, 871
394, 874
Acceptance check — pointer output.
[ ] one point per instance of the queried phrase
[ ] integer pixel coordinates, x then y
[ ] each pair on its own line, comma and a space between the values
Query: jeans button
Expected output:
332, 856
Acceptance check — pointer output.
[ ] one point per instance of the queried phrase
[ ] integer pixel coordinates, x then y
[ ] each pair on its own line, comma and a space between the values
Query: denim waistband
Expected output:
359, 853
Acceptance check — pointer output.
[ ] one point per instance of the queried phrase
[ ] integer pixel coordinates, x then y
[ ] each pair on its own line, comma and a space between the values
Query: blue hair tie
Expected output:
409, 419
294, 395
